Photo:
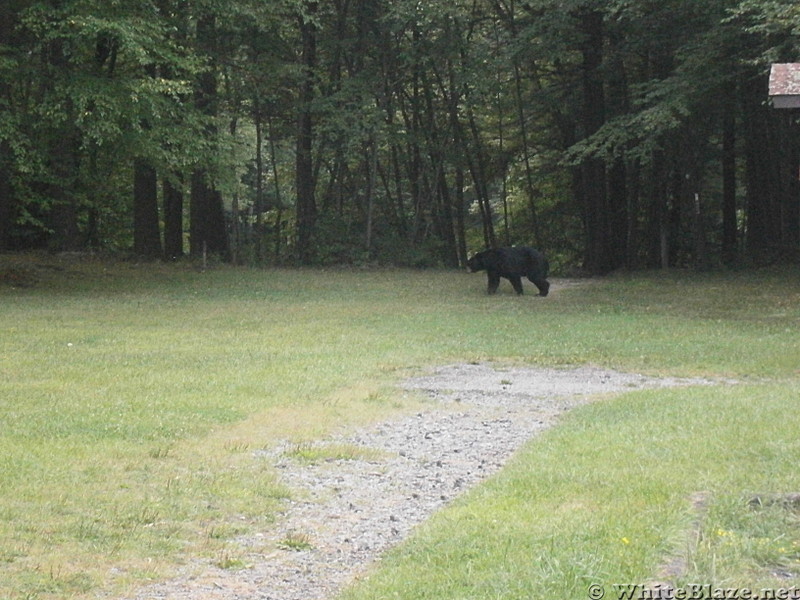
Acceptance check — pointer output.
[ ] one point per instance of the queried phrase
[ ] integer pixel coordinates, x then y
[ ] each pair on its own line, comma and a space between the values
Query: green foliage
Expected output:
435, 111
109, 83
776, 20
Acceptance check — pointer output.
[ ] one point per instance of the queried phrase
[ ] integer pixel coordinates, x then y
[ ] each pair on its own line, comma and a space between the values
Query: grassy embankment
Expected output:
132, 401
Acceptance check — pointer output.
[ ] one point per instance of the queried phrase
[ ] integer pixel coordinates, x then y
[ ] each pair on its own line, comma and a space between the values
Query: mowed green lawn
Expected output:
134, 399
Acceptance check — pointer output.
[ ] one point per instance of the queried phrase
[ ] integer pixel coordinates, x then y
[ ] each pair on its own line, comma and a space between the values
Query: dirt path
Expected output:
347, 512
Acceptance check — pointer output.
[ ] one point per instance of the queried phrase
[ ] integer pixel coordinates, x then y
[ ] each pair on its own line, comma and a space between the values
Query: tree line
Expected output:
610, 133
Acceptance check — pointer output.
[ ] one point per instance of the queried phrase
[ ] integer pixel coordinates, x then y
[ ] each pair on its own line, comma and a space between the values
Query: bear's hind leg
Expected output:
540, 282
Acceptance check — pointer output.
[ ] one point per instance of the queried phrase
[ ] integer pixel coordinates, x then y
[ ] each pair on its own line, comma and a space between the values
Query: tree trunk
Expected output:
593, 174
476, 160
173, 219
276, 182
442, 205
658, 232
701, 260
618, 197
523, 129
6, 197
146, 236
259, 200
207, 228
632, 234
6, 190
304, 166
758, 156
413, 124
461, 208
503, 168
371, 163
616, 238
729, 224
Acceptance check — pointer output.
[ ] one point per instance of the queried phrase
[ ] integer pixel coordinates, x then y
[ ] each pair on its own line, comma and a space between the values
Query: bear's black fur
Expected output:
513, 264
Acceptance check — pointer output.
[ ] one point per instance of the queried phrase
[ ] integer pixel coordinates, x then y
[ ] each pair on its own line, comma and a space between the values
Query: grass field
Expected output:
132, 399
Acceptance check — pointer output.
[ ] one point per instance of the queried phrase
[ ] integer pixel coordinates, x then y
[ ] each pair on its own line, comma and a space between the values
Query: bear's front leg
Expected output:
494, 281
516, 281
543, 285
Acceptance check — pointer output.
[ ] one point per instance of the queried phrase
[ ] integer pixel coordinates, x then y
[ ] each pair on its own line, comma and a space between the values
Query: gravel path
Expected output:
347, 512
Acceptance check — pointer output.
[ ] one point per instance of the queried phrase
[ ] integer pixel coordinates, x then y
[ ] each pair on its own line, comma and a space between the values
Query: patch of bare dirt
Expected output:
347, 512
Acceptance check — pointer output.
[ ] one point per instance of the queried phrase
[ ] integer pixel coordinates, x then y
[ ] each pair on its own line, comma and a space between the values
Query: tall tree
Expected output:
729, 179
592, 186
305, 183
146, 234
7, 202
208, 233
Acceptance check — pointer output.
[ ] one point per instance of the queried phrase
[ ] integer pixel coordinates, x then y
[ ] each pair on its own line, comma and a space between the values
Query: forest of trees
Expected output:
609, 133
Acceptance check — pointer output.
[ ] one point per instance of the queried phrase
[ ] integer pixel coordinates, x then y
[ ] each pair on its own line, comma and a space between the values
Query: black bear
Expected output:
513, 264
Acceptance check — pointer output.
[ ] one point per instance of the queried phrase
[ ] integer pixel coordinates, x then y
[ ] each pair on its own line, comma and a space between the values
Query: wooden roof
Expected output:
784, 85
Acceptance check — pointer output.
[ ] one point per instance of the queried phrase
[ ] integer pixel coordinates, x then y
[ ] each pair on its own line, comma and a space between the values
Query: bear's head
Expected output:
477, 262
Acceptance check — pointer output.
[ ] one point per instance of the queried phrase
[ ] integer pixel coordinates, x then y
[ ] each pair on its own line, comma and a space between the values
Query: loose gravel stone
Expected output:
346, 513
